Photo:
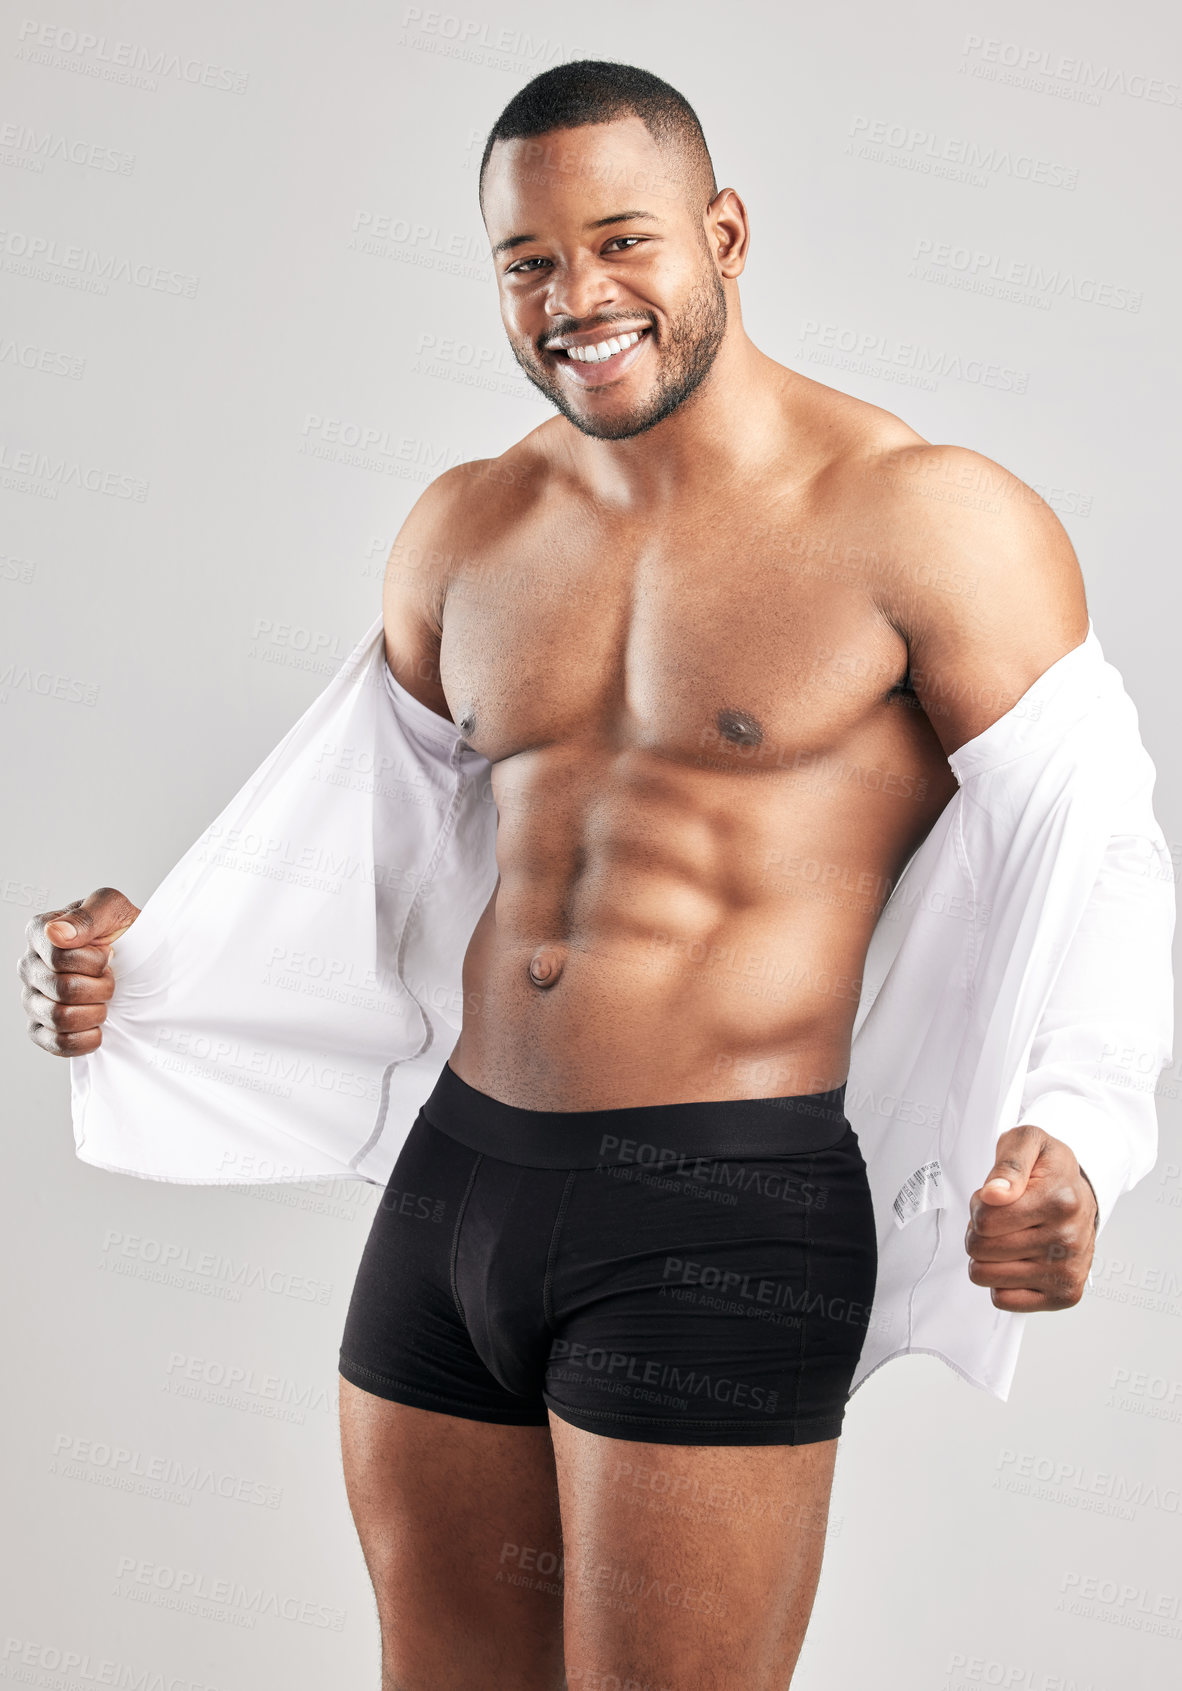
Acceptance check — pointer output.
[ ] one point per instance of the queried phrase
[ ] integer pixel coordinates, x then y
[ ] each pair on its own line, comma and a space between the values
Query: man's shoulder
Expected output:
478, 494
960, 556
943, 514
975, 571
955, 482
941, 496
875, 458
451, 530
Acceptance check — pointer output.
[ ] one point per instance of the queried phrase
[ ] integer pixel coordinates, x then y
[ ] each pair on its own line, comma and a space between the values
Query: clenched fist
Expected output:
67, 971
1032, 1232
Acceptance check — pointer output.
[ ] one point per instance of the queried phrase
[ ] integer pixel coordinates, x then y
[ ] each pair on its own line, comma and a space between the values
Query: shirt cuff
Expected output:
1090, 1132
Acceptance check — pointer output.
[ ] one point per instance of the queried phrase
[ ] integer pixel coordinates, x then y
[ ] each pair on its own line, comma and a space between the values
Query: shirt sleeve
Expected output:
1107, 1028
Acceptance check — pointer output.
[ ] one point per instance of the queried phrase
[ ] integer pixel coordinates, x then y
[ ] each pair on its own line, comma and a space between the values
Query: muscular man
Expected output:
686, 620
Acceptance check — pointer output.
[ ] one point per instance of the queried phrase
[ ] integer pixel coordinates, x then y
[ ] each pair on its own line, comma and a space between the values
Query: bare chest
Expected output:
750, 646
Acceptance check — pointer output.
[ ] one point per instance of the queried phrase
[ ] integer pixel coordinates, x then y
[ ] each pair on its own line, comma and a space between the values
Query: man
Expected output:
682, 620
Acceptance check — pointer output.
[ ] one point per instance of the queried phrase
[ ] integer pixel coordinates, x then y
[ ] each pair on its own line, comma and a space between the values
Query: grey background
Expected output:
160, 637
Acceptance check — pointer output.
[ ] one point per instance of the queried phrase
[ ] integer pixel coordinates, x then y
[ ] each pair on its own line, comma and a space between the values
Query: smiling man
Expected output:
720, 637
687, 620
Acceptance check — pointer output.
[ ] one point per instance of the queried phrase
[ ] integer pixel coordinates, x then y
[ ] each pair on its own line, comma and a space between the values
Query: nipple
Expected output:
739, 727
545, 965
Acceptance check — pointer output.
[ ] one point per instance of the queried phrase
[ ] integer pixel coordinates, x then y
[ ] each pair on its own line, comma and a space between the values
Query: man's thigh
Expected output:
688, 1567
459, 1524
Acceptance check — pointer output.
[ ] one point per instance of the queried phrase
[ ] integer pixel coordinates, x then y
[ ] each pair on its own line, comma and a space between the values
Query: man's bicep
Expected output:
992, 595
414, 589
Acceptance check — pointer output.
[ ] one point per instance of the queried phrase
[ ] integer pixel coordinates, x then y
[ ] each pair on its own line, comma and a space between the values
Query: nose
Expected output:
580, 290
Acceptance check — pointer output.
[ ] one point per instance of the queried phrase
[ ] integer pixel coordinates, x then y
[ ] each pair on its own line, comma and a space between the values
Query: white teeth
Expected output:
603, 349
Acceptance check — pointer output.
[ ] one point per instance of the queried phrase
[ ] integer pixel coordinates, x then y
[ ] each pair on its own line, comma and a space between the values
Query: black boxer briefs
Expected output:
672, 1273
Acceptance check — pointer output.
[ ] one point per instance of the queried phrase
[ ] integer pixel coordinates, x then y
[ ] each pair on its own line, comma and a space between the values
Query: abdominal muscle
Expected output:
661, 935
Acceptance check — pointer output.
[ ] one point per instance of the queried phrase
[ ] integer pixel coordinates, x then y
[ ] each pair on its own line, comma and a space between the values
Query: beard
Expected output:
684, 359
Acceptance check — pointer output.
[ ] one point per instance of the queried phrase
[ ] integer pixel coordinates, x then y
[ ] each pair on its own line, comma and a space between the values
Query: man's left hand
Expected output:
1031, 1240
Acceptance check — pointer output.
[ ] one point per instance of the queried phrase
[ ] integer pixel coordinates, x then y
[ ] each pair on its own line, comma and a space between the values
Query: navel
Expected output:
545, 965
741, 728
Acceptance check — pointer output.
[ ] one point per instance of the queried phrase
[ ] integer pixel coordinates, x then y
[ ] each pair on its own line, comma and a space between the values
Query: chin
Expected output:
619, 429
620, 426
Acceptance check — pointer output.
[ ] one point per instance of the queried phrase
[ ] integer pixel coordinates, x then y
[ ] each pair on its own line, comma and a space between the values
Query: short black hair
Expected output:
599, 91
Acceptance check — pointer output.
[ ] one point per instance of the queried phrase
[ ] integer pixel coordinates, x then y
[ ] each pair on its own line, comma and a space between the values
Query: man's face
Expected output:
585, 273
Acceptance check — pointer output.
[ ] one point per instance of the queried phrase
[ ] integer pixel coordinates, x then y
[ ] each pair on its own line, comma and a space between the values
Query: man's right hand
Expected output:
67, 975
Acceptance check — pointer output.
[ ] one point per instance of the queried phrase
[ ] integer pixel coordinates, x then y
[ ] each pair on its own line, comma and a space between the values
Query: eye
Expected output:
522, 267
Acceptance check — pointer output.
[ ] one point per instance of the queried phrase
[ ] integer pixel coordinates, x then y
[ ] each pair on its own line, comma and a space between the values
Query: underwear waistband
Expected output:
653, 1135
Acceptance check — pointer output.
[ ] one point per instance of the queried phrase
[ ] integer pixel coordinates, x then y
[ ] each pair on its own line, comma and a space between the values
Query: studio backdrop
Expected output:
249, 314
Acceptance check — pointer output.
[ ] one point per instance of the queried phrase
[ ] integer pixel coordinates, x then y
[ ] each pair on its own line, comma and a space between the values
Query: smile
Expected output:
592, 366
603, 350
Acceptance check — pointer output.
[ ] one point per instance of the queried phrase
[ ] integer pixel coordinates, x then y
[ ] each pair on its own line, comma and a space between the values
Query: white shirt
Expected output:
289, 993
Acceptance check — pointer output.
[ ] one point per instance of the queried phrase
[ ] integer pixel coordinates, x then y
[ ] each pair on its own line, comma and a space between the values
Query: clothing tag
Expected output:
923, 1190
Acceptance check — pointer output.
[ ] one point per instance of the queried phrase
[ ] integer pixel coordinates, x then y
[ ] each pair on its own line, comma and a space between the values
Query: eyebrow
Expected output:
512, 241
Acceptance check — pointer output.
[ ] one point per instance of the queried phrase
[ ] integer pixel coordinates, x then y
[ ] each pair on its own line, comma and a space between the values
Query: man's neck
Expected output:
733, 424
